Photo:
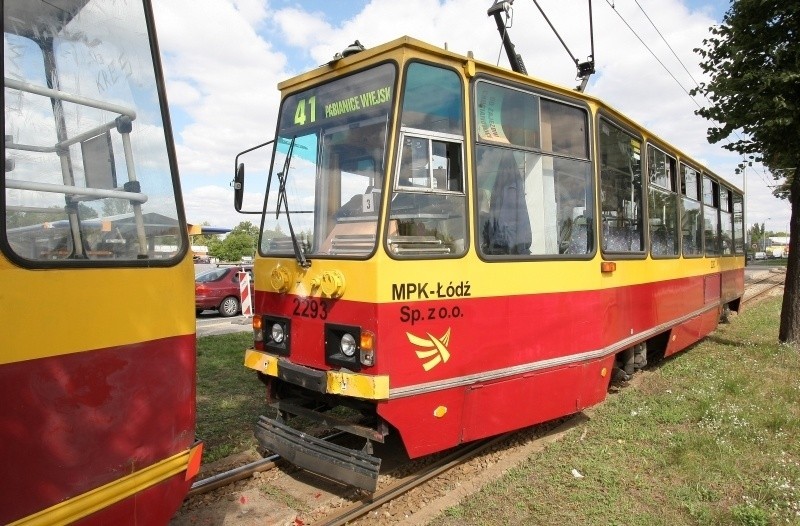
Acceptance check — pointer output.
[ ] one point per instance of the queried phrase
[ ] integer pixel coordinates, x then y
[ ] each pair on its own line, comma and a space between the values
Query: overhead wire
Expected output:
667, 43
613, 7
762, 175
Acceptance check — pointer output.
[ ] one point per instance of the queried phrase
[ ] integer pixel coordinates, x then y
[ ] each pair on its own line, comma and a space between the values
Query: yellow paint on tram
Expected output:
92, 308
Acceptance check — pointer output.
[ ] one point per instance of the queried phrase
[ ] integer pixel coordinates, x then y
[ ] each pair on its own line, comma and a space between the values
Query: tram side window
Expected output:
691, 213
711, 216
663, 203
427, 210
725, 221
738, 223
531, 203
620, 190
88, 176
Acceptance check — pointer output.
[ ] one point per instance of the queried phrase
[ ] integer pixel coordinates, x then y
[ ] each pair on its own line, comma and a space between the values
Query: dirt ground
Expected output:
290, 497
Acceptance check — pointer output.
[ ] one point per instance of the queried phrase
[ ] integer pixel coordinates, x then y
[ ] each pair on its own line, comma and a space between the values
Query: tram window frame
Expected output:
726, 221
439, 146
711, 210
738, 223
429, 221
624, 215
691, 194
82, 228
662, 188
534, 227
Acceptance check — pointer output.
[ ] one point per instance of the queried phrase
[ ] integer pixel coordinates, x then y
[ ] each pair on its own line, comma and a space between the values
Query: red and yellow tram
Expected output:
454, 250
97, 371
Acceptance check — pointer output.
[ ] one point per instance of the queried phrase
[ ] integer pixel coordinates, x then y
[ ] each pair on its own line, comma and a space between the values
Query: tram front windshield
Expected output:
329, 168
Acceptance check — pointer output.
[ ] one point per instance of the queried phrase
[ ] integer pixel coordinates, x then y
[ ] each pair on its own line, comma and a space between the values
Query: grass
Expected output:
229, 396
709, 437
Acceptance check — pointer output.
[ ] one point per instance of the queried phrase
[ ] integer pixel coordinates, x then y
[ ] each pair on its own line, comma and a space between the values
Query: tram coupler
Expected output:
349, 466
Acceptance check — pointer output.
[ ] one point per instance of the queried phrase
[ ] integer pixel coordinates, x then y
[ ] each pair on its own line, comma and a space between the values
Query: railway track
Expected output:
763, 286
754, 290
410, 482
241, 472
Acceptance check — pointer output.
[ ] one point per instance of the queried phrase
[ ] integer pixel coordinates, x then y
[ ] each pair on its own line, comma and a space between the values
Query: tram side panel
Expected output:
732, 282
105, 421
504, 362
551, 354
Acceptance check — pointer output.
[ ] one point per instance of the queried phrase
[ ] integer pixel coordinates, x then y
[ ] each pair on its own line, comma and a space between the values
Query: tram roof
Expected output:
472, 67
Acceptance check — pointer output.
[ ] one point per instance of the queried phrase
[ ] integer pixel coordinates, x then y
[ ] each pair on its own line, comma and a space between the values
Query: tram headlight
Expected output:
348, 345
275, 334
342, 346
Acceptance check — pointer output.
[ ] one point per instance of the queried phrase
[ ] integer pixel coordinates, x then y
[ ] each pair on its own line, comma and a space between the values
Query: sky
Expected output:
223, 60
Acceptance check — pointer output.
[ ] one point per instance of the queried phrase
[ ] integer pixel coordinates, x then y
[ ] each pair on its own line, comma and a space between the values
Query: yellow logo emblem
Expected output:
434, 349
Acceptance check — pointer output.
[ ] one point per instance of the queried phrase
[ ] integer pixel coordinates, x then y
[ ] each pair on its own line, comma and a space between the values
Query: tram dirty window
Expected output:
725, 222
76, 189
711, 216
620, 190
531, 203
432, 100
691, 213
662, 203
427, 210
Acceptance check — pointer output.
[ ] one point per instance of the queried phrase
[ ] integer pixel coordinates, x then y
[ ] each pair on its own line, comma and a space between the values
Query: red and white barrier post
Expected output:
244, 294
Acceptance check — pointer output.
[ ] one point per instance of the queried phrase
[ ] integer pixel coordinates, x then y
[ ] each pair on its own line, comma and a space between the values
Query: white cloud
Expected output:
301, 28
254, 11
223, 61
214, 203
182, 93
224, 75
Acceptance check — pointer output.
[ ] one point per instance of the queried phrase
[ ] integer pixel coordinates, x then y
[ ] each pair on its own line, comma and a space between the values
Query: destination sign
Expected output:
364, 100
367, 91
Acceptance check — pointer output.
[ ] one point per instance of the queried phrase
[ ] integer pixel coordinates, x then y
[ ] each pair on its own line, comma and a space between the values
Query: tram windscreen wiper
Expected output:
282, 177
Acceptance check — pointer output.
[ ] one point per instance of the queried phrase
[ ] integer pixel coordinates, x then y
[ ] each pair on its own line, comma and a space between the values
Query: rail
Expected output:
759, 288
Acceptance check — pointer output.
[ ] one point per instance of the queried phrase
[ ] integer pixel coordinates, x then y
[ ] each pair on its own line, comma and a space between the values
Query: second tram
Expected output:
453, 250
97, 370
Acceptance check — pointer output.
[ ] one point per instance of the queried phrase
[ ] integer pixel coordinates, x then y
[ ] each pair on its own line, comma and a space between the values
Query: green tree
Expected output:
112, 207
18, 218
240, 241
203, 239
234, 247
246, 227
753, 62
756, 235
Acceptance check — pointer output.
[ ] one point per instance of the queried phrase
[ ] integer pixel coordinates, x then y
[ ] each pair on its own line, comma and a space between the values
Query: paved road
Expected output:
210, 323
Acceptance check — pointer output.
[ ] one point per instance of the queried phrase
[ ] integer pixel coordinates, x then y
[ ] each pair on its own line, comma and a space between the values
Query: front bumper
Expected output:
344, 383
